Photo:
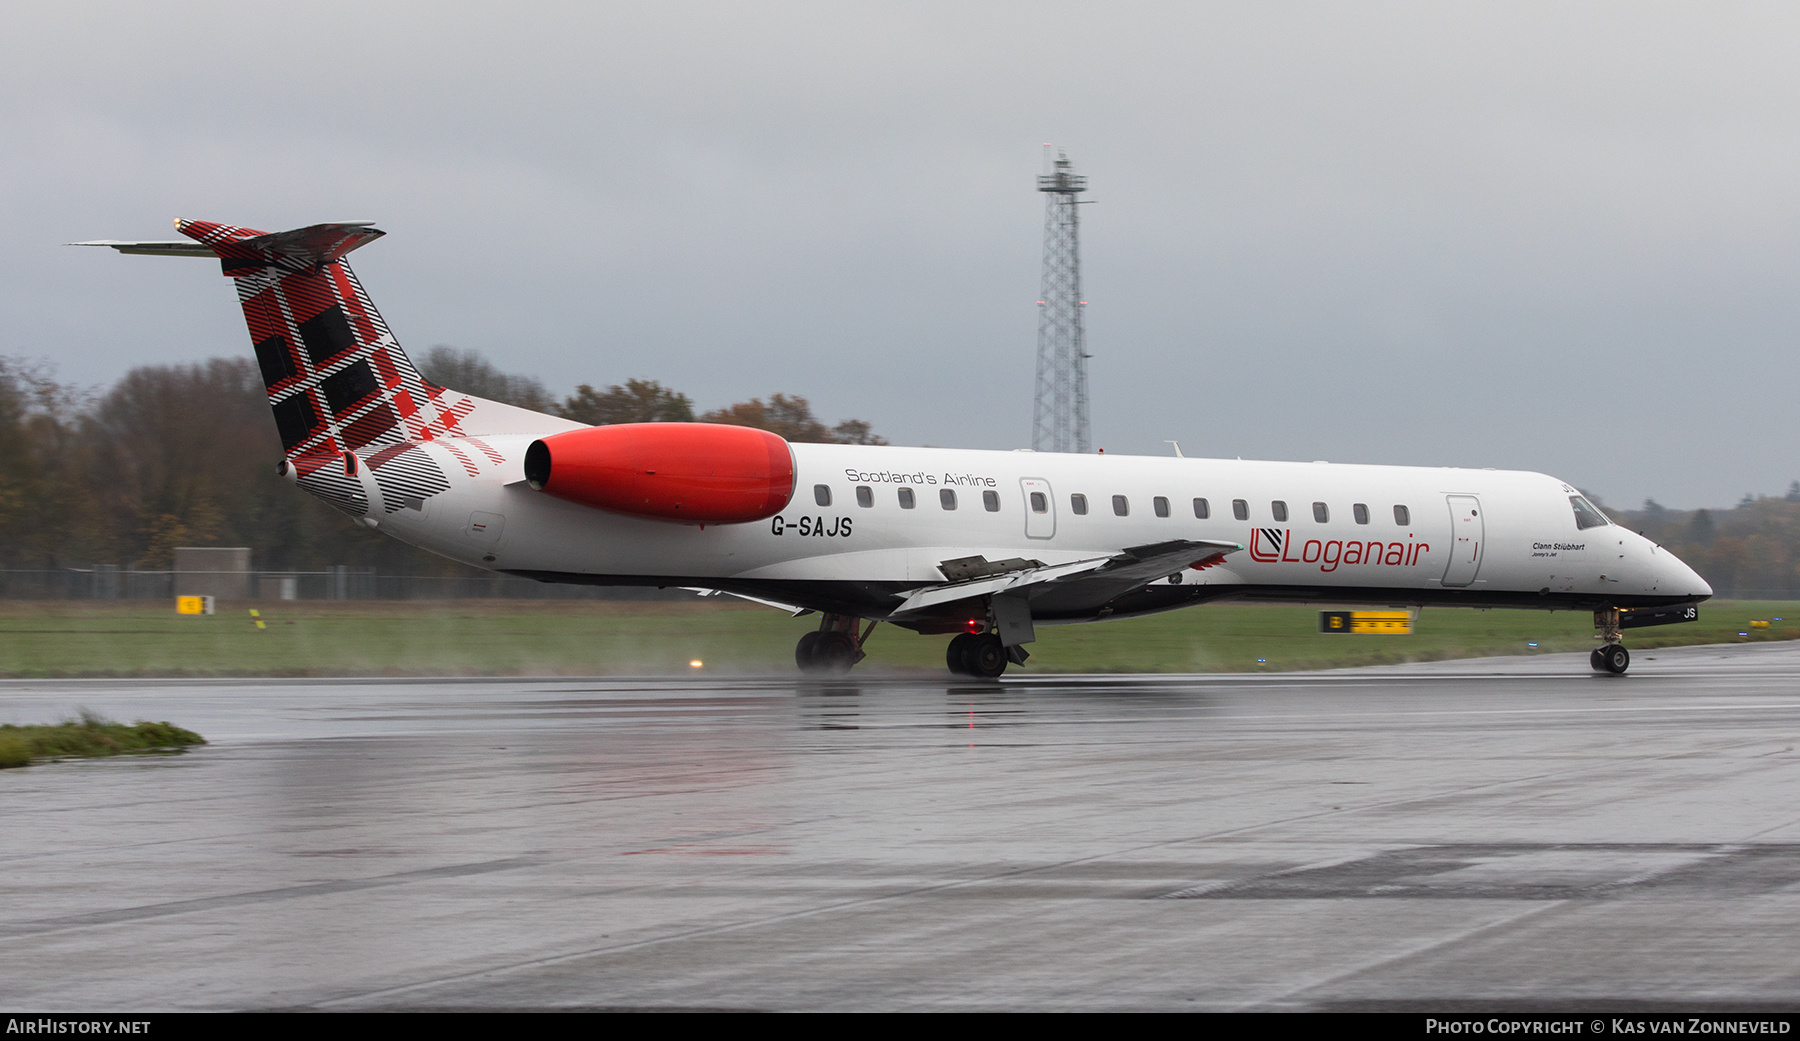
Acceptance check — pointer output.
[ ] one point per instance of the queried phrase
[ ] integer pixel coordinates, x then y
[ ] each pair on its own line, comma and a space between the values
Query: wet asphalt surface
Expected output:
1503, 833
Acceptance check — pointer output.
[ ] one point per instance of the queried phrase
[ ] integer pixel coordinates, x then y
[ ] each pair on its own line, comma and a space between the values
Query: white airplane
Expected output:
982, 544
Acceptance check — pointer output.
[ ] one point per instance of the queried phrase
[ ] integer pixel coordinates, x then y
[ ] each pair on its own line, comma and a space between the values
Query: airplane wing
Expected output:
1099, 578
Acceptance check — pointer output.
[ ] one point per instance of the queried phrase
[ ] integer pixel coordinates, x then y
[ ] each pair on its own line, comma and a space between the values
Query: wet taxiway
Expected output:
1511, 832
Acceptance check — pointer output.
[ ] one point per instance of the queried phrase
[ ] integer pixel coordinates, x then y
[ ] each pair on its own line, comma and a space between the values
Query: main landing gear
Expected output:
834, 646
1611, 656
977, 654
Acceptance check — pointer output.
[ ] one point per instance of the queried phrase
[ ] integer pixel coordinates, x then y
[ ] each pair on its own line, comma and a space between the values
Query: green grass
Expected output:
88, 735
511, 638
1233, 638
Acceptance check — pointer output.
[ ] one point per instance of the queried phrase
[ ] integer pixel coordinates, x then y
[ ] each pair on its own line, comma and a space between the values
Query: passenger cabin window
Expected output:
1279, 510
1202, 509
1321, 513
1240, 509
1078, 504
822, 494
947, 498
1121, 508
1040, 503
1586, 515
865, 495
1161, 505
1361, 512
1402, 516
990, 501
906, 499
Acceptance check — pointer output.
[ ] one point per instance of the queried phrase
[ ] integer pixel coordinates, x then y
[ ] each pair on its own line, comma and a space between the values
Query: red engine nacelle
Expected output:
694, 473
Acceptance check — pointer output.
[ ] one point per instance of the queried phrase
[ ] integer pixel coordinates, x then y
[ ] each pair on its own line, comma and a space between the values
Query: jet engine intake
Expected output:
690, 473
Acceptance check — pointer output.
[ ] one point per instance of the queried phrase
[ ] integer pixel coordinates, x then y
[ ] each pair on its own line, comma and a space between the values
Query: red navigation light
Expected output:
692, 473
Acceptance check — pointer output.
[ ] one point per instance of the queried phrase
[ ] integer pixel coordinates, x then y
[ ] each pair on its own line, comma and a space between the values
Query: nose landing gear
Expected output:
834, 647
1611, 656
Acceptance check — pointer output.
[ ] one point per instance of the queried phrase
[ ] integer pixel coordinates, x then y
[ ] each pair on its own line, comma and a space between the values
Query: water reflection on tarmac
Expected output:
1511, 832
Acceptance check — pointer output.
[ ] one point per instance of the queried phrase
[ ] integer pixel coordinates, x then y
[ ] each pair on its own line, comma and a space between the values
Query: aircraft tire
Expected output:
985, 657
806, 652
1595, 660
954, 655
1618, 659
835, 652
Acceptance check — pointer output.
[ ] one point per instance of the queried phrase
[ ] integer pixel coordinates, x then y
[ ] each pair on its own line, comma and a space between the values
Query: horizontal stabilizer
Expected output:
245, 249
314, 244
154, 249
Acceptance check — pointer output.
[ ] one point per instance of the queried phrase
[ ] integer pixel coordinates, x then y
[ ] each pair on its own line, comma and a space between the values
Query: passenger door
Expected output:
1466, 530
1040, 508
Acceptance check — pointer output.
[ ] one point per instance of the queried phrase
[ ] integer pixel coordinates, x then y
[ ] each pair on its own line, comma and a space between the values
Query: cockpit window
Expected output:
1586, 516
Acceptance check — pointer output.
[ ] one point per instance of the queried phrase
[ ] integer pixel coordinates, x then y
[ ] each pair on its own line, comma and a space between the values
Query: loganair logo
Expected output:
1278, 546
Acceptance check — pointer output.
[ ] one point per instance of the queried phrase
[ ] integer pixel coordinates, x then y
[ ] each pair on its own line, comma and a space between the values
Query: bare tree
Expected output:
468, 371
638, 401
793, 419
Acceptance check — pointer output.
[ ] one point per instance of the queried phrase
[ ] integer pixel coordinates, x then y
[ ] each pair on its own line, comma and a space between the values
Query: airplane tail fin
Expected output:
337, 379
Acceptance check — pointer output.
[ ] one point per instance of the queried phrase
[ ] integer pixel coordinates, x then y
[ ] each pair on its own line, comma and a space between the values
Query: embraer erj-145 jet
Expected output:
982, 544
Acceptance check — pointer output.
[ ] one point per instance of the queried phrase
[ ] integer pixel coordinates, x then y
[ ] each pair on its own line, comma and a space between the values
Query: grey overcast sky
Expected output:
1550, 236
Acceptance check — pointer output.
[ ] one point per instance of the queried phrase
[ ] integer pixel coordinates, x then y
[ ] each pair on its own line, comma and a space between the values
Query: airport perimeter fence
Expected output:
115, 582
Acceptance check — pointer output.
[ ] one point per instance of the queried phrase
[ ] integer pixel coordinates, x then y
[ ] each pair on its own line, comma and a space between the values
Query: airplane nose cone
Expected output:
1684, 580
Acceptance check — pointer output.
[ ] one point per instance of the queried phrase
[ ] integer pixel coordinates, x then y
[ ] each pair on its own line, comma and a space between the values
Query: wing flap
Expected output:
1108, 576
1138, 565
947, 592
793, 609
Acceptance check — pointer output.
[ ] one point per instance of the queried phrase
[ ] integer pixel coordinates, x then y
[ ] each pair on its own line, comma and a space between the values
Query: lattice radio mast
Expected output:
1060, 420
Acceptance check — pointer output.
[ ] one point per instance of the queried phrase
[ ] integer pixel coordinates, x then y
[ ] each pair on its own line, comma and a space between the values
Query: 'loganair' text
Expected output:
1276, 546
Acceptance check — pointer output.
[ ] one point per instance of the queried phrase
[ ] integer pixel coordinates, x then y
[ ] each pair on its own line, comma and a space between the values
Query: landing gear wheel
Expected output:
835, 652
954, 654
807, 650
983, 656
1611, 656
1596, 661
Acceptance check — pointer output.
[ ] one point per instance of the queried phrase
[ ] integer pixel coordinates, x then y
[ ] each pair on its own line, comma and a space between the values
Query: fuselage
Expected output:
983, 544
848, 541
